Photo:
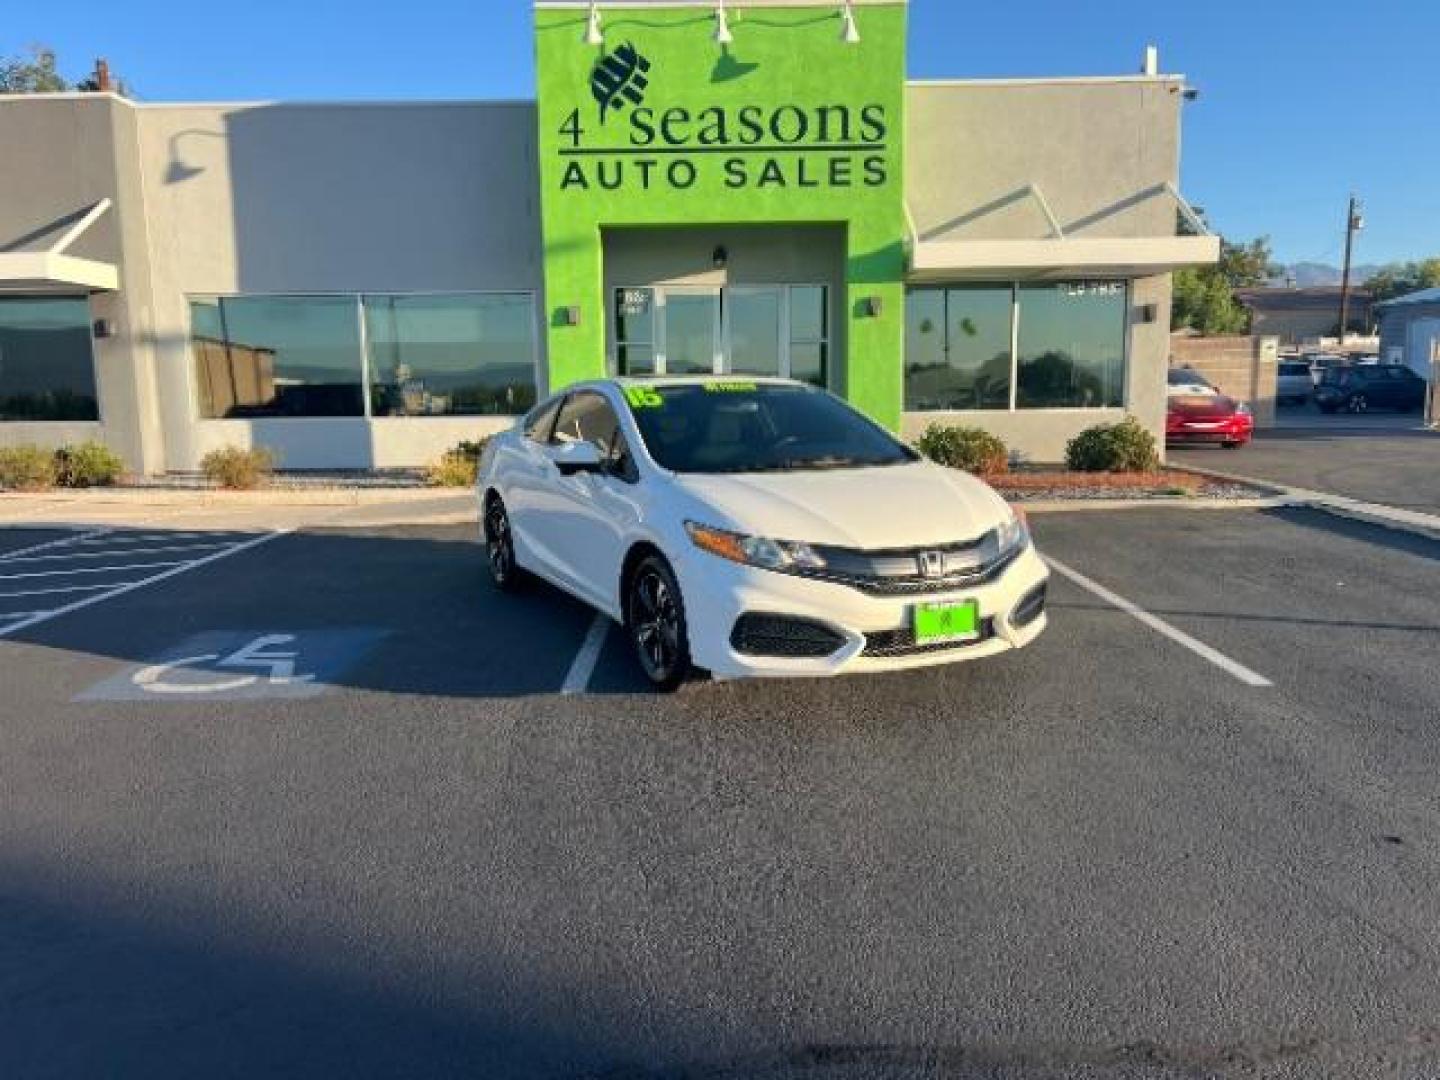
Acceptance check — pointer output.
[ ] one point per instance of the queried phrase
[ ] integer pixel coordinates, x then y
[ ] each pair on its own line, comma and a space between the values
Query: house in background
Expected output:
1304, 316
1410, 332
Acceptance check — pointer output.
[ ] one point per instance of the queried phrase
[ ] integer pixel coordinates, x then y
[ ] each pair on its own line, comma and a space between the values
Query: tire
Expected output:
1232, 444
655, 623
505, 572
1357, 403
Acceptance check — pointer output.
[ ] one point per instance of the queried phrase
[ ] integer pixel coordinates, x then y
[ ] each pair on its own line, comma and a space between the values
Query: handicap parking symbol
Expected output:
234, 665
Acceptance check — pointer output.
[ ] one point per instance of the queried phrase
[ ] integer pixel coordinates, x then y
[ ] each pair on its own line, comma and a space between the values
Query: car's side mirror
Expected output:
577, 457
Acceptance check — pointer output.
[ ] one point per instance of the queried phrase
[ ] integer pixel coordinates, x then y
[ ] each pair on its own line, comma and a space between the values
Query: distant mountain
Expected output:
1305, 274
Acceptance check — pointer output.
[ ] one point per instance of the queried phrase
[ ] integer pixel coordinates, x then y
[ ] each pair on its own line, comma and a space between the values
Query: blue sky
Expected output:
1299, 102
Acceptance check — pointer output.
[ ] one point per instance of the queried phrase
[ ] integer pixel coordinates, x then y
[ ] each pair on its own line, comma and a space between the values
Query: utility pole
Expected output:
1353, 224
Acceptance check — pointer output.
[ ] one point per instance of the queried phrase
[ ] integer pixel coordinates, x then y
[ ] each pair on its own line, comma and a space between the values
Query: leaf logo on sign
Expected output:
618, 78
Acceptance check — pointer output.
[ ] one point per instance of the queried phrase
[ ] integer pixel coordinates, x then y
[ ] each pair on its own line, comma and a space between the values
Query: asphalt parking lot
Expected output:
317, 805
1397, 464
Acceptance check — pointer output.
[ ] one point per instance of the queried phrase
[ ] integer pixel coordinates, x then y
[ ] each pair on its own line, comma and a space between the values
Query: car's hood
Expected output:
884, 507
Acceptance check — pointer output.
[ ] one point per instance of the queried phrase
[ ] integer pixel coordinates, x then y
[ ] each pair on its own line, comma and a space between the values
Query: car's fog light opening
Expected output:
1030, 607
759, 634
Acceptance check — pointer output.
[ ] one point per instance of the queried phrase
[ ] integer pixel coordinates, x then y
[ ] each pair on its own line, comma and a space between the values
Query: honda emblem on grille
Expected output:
932, 563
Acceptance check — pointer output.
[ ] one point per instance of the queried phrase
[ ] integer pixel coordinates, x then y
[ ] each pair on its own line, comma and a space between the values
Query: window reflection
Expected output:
450, 355
47, 370
1072, 345
957, 348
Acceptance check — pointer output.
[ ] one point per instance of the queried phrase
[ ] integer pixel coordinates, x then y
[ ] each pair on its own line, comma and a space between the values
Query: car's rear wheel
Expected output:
505, 572
655, 619
1357, 403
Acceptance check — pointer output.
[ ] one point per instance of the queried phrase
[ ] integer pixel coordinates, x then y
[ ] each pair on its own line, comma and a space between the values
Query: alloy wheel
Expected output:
499, 544
657, 626
1358, 403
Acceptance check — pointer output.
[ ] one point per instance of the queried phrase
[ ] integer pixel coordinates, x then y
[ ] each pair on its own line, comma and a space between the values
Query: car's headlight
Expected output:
1013, 534
754, 550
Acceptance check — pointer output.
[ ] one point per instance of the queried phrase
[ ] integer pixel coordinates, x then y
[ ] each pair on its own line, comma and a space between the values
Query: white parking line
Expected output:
1160, 626
583, 666
114, 552
89, 570
131, 586
62, 542
61, 589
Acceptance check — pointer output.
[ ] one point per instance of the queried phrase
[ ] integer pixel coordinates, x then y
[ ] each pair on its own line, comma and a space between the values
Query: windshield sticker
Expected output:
642, 397
731, 388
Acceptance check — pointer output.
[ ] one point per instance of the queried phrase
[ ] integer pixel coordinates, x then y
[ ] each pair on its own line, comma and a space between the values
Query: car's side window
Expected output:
541, 419
587, 417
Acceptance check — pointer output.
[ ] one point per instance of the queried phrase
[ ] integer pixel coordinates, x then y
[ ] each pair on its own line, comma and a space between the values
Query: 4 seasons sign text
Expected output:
631, 145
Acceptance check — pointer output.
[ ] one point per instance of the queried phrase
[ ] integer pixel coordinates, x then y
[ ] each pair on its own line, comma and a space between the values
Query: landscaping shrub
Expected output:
458, 466
88, 464
1122, 447
970, 448
239, 468
26, 468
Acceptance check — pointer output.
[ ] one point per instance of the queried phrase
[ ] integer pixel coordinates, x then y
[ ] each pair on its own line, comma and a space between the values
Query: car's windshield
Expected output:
729, 426
1186, 377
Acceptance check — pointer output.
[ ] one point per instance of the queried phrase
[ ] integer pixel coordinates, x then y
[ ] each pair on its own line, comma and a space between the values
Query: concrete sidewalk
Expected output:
222, 510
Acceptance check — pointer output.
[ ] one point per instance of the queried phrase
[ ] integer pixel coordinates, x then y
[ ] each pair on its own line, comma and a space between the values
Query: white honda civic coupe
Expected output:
756, 527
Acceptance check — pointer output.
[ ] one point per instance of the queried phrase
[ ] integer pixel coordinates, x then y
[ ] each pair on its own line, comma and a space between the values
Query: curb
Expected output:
1178, 502
1389, 517
209, 497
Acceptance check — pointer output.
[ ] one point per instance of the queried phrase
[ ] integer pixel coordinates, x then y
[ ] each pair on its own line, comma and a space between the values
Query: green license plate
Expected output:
946, 622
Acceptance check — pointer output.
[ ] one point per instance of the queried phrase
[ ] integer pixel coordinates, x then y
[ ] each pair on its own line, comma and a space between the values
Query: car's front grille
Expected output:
901, 642
758, 634
914, 571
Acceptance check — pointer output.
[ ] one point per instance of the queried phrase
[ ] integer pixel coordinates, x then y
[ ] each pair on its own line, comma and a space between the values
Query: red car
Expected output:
1211, 418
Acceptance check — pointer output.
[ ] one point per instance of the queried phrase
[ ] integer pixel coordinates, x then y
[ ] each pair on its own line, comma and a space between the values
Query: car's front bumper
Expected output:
873, 628
1237, 428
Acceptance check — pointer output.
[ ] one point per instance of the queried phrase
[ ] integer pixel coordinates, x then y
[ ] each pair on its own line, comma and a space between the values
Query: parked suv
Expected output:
1371, 386
1293, 382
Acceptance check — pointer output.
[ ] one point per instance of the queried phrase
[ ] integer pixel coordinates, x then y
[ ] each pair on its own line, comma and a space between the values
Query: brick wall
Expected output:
1242, 367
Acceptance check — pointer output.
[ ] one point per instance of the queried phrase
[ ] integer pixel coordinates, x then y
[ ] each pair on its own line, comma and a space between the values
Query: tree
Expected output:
39, 73
36, 74
1204, 296
1397, 279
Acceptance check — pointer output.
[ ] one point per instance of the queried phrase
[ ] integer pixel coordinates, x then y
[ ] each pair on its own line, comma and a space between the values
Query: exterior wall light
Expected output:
719, 257
570, 316
849, 32
593, 33
871, 307
722, 26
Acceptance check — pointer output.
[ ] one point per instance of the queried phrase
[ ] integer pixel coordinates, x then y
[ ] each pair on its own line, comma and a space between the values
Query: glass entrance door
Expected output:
690, 331
701, 330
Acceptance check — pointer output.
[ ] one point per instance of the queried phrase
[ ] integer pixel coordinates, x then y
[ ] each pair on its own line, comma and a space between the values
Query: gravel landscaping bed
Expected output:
297, 480
1035, 485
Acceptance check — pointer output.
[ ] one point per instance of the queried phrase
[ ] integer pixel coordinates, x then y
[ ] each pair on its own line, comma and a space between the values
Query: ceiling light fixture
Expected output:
849, 32
722, 26
593, 34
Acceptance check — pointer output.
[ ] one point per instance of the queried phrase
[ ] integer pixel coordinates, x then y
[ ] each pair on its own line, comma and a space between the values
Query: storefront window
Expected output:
957, 348
1071, 354
451, 355
1072, 345
47, 370
277, 356
809, 336
429, 355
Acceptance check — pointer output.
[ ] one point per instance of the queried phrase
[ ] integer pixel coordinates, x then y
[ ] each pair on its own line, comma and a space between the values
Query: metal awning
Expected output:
51, 270
1060, 256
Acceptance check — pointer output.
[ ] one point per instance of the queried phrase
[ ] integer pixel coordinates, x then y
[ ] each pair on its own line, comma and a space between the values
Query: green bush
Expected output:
88, 464
26, 468
239, 468
970, 448
458, 466
1122, 447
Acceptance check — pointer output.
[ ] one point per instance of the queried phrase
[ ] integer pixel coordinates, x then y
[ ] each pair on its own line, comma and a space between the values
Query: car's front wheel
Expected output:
505, 572
1358, 403
655, 619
